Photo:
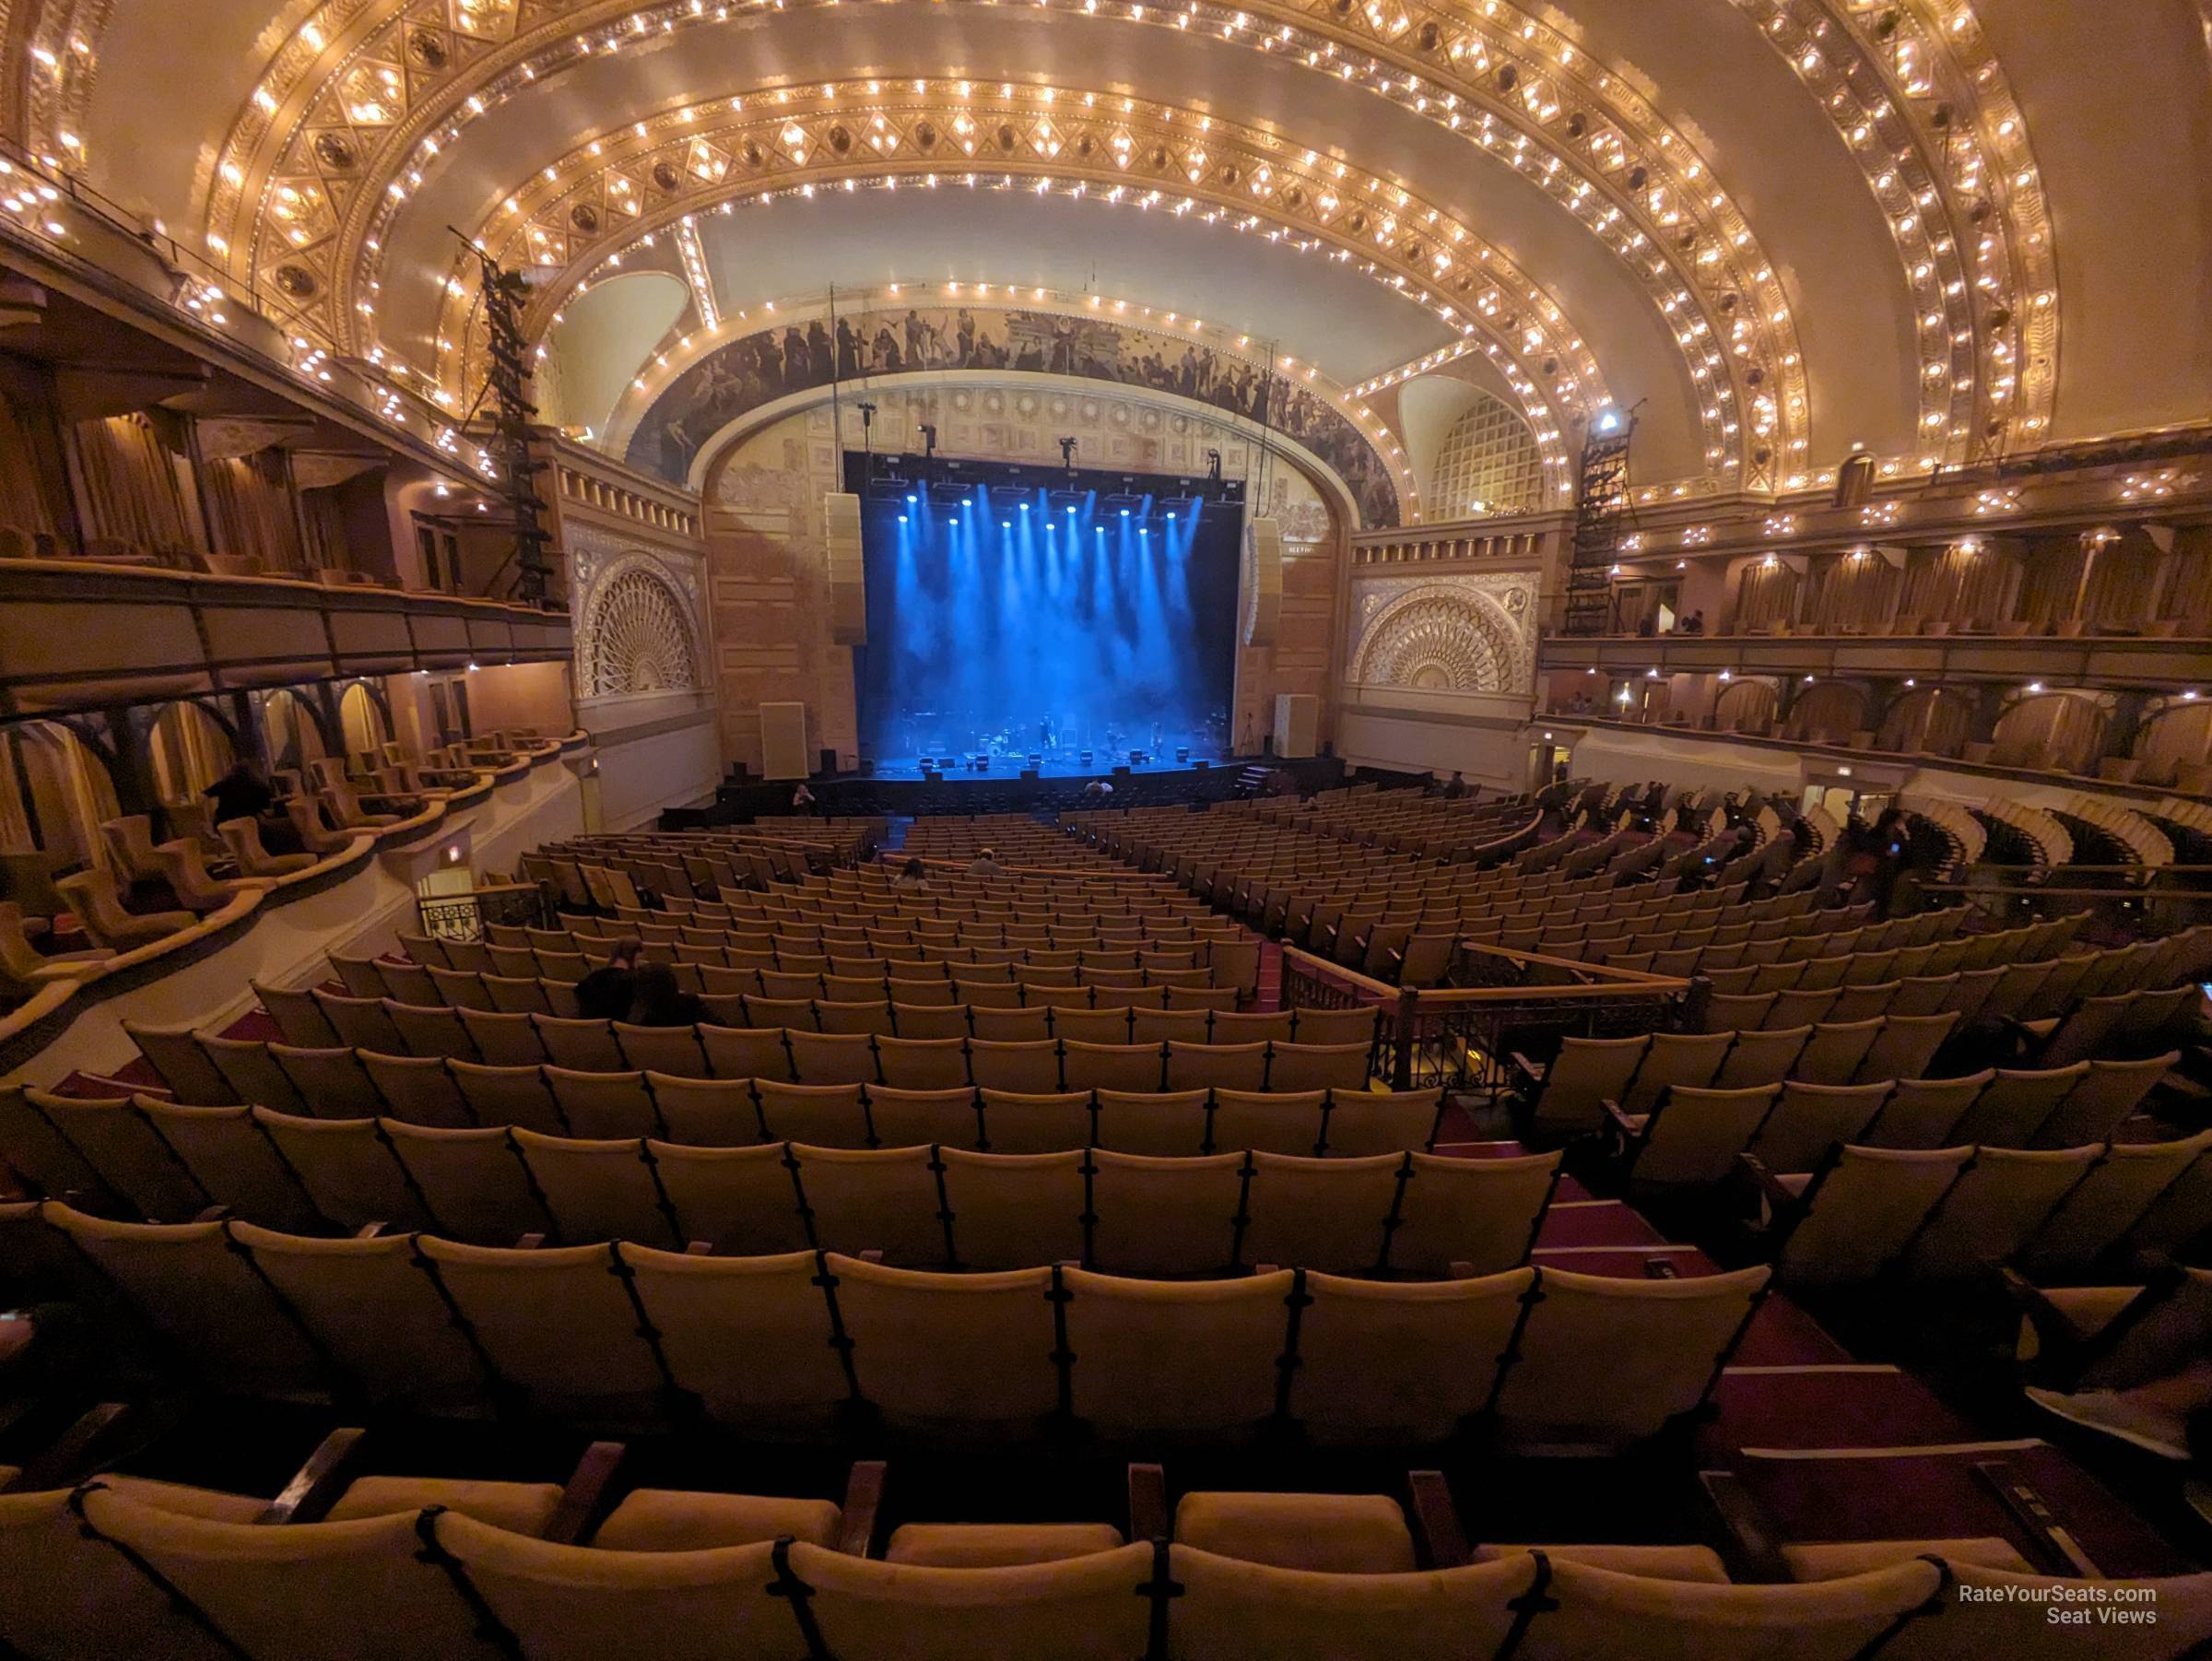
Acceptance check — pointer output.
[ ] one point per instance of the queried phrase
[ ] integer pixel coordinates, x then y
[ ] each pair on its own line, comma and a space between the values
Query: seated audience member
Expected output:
660, 1002
607, 993
1692, 624
987, 865
242, 793
801, 799
914, 878
1456, 786
1095, 792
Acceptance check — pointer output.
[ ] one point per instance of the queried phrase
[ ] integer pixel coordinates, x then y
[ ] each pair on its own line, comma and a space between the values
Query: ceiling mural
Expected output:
759, 368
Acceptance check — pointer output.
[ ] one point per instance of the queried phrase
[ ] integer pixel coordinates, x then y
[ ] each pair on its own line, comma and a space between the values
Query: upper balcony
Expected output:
75, 634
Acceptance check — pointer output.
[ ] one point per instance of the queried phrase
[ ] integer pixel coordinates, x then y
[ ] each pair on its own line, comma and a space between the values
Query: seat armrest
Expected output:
864, 1500
1147, 1502
64, 1462
1770, 1187
316, 1485
584, 1493
1741, 1531
1530, 1072
1442, 1542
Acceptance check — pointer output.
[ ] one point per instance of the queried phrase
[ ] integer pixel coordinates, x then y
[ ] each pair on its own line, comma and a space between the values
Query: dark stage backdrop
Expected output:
1001, 616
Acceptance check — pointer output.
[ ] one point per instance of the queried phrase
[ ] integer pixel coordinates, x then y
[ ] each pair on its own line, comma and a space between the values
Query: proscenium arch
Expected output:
1316, 472
1475, 76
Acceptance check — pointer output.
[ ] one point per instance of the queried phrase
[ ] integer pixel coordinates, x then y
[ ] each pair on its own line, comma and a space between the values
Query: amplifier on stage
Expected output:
1084, 758
1138, 758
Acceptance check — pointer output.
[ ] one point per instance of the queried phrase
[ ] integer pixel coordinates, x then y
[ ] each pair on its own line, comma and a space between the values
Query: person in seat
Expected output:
607, 993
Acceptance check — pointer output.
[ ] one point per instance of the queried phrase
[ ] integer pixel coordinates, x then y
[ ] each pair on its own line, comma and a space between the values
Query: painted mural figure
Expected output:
761, 367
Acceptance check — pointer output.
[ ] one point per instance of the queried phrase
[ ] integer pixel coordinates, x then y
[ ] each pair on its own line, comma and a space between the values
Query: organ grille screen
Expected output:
1488, 457
638, 639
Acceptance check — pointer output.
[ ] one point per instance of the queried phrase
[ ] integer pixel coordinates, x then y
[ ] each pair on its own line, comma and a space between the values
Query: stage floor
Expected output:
1064, 766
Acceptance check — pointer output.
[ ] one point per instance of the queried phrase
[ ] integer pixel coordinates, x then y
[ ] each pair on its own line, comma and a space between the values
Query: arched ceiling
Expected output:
1779, 229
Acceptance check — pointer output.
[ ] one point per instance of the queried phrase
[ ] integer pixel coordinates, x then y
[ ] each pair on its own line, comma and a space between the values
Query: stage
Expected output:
1061, 764
1056, 789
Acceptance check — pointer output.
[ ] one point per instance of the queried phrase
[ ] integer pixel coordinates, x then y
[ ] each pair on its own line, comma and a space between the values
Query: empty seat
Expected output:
348, 1169
1908, 1044
905, 1118
2002, 1198
592, 1362
471, 1181
1289, 1122
1401, 1362
514, 1096
1228, 1336
1024, 1069
1469, 1216
875, 1199
233, 1165
1166, 1217
972, 1350
750, 1339
584, 1045
825, 1116
417, 1089
1667, 1338
1854, 1217
1165, 1125
2013, 1106
1042, 1122
739, 1201
1812, 1119
2115, 1193
125, 1148
664, 1050
374, 1314
1364, 1122
254, 1075
598, 1189
331, 1081
742, 1052
1305, 1066
1586, 1073
2102, 1099
707, 1113
1922, 1113
1692, 1137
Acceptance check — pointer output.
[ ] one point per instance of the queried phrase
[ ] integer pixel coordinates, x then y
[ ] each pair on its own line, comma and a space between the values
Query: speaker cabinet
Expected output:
1263, 582
848, 581
1296, 724
783, 741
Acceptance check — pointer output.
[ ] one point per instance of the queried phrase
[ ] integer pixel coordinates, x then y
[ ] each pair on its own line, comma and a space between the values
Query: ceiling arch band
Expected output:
1626, 177
593, 215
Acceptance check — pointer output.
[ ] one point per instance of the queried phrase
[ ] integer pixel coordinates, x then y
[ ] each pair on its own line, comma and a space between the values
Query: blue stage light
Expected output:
1071, 512
910, 502
1006, 524
902, 519
1124, 512
1025, 506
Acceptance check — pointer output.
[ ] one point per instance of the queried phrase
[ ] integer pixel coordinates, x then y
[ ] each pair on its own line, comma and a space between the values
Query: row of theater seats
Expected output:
318, 1017
1694, 1137
411, 1569
1359, 928
1797, 935
924, 961
795, 1342
1402, 1214
1953, 1214
1594, 1084
203, 1066
440, 1094
2007, 997
1567, 1096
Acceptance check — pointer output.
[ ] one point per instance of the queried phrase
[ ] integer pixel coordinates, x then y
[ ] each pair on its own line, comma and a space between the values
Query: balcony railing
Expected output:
75, 635
2153, 661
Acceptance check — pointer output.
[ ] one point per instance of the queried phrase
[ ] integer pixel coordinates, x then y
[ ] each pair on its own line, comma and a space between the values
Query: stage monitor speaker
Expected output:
1084, 757
848, 579
1296, 724
1182, 753
1121, 769
1263, 582
930, 776
1029, 772
782, 740
1202, 766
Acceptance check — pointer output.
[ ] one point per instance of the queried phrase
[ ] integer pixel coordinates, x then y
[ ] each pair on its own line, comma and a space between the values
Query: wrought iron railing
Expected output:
1459, 1037
462, 916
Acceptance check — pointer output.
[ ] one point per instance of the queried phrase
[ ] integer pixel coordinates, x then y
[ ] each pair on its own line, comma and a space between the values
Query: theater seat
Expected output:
1835, 1559
663, 1519
1651, 1562
524, 1507
1339, 1534
996, 1545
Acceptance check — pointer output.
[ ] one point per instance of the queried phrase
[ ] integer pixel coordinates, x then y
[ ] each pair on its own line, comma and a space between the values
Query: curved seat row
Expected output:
799, 1341
124, 1564
208, 1067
